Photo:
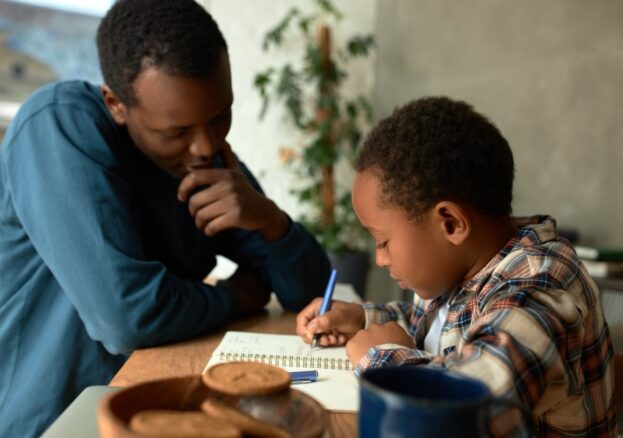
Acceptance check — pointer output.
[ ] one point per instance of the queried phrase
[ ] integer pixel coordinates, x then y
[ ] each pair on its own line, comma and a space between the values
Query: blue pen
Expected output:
326, 302
307, 376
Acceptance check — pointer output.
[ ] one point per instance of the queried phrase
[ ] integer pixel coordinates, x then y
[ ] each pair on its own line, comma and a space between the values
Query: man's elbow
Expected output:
120, 338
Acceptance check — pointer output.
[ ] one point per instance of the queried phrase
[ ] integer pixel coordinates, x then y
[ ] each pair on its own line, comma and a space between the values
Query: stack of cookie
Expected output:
244, 399
182, 424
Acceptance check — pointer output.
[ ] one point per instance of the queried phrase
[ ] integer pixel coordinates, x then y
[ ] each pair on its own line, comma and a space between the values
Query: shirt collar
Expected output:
531, 231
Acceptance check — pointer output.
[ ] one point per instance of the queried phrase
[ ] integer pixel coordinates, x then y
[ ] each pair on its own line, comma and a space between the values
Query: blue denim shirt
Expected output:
98, 257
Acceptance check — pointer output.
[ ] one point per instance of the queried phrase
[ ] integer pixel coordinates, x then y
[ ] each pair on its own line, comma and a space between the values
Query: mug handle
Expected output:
527, 413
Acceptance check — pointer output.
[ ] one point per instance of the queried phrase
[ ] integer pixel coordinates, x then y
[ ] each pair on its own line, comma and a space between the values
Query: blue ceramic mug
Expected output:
417, 401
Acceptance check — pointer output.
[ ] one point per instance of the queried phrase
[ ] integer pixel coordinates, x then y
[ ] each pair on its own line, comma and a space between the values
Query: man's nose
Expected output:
205, 143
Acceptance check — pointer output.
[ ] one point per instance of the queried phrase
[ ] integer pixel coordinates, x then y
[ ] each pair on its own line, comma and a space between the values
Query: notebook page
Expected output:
336, 389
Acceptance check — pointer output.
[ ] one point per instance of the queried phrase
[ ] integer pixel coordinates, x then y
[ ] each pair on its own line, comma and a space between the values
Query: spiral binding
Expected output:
289, 361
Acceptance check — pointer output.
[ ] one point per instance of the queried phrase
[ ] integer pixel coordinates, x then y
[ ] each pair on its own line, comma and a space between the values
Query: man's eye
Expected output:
175, 134
224, 115
381, 245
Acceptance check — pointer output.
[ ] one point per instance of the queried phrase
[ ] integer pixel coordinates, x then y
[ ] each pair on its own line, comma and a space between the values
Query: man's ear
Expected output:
117, 109
454, 221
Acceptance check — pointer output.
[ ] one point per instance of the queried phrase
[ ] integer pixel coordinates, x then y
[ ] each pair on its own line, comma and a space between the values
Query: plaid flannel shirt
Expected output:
530, 325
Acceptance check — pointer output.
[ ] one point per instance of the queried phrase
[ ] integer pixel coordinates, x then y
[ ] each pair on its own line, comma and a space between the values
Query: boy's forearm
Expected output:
399, 311
392, 355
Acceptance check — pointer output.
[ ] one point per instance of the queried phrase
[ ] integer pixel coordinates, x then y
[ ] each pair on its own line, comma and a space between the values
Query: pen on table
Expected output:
307, 376
326, 301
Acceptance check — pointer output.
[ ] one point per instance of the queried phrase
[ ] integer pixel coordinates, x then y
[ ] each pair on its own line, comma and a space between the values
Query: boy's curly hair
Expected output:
435, 149
176, 36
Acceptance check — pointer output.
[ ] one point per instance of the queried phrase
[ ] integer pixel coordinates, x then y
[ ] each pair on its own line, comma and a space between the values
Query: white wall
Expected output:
244, 24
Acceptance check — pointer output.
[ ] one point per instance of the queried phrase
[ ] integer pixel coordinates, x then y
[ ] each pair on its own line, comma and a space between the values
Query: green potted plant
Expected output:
310, 88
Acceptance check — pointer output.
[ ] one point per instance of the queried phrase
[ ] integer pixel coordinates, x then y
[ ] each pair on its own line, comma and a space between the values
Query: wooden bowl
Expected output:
292, 410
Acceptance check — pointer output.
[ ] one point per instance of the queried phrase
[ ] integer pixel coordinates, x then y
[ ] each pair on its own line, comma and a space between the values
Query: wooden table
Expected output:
190, 357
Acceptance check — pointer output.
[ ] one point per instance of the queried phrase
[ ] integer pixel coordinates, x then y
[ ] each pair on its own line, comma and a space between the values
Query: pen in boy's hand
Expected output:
326, 302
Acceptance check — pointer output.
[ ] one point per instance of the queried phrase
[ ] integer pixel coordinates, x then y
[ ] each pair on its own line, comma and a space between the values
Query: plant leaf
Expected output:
261, 82
330, 125
327, 6
275, 35
289, 88
360, 45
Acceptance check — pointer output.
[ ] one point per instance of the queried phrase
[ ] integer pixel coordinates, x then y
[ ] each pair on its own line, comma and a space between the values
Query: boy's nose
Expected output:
381, 259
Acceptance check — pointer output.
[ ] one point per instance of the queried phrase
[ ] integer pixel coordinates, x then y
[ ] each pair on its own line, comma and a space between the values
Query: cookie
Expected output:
181, 424
246, 378
248, 425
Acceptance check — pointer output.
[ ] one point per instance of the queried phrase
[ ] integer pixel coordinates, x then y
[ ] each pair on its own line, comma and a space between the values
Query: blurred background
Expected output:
548, 74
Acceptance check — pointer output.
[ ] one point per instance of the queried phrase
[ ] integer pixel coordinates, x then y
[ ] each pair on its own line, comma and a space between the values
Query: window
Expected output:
44, 41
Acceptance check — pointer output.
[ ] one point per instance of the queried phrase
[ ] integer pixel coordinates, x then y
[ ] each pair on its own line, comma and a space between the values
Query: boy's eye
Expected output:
381, 245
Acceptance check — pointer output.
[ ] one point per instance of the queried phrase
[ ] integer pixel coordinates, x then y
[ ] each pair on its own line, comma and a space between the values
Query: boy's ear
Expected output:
454, 221
116, 108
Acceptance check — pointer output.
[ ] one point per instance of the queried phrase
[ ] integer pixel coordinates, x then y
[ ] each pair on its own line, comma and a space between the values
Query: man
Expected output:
113, 205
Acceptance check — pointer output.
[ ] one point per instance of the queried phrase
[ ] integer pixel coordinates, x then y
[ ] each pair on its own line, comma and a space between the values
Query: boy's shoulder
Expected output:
536, 257
537, 270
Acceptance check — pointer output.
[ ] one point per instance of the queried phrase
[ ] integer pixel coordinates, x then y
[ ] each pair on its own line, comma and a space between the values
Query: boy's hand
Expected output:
226, 199
377, 334
337, 326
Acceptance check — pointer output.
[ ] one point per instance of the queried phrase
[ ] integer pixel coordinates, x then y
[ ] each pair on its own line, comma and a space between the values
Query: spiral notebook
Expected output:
336, 387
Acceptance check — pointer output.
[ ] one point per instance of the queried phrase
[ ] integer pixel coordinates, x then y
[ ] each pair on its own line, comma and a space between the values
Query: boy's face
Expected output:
416, 254
180, 123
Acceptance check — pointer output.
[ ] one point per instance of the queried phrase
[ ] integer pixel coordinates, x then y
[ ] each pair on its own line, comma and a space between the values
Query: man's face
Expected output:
180, 123
414, 253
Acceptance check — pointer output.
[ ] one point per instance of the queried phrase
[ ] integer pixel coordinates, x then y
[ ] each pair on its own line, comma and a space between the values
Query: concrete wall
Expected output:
549, 74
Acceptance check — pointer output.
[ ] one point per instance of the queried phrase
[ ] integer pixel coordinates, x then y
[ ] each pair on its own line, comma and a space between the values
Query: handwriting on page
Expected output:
258, 344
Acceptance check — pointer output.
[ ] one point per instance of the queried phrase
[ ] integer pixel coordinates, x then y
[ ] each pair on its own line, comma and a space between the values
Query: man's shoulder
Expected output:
55, 102
64, 116
76, 94
66, 106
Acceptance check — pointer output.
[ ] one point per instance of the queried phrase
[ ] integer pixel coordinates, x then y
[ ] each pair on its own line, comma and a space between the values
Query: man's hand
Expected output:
337, 326
226, 199
377, 334
250, 293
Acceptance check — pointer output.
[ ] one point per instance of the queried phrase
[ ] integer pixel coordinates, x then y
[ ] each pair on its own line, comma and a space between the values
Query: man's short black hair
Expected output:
176, 36
434, 149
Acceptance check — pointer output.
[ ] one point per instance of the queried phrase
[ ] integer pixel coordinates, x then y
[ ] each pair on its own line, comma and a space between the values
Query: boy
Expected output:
501, 299
115, 201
